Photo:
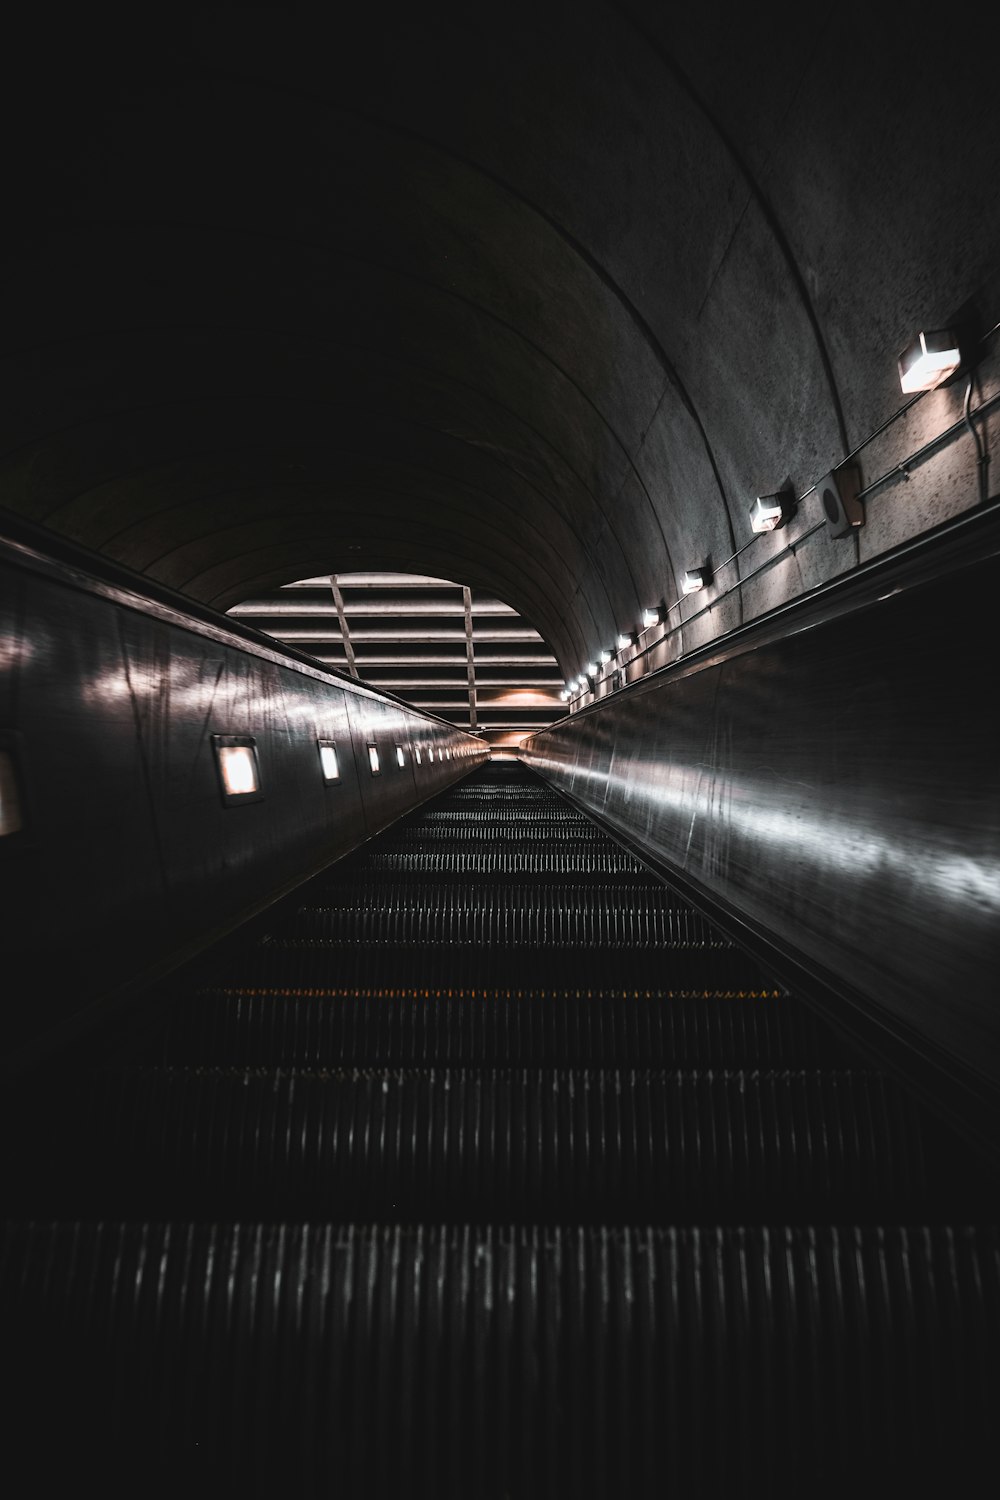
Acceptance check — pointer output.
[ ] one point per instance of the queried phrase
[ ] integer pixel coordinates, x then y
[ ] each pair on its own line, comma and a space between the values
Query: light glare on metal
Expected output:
928, 361
692, 580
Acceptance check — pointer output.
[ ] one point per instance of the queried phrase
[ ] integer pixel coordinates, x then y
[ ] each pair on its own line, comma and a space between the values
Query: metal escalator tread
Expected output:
330, 1029
512, 1145
477, 1361
492, 1171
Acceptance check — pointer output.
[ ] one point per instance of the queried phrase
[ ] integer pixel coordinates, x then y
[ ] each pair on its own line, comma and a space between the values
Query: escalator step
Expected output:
257, 1028
488, 1146
311, 1359
526, 916
537, 863
299, 963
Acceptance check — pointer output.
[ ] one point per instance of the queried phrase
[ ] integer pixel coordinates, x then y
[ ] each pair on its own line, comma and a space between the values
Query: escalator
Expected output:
485, 1166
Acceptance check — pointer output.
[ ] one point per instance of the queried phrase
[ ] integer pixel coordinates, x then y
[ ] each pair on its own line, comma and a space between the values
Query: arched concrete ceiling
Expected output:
537, 296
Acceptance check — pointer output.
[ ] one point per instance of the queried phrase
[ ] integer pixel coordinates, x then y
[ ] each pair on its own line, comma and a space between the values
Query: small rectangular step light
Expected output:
11, 816
416, 751
650, 617
239, 772
928, 361
430, 753
693, 580
400, 756
374, 763
328, 760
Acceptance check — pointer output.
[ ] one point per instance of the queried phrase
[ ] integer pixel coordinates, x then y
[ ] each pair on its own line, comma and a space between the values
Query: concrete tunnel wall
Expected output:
538, 299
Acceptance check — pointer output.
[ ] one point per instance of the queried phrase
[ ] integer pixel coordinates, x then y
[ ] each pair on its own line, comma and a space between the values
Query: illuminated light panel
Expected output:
693, 580
591, 669
417, 754
328, 760
400, 756
650, 617
374, 764
430, 755
624, 641
604, 658
928, 361
767, 513
11, 816
239, 773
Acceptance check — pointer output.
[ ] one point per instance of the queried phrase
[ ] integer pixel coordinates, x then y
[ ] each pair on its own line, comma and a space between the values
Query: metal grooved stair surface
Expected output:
486, 1167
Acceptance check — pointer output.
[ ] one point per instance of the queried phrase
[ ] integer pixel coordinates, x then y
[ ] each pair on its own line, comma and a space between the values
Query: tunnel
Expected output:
602, 1105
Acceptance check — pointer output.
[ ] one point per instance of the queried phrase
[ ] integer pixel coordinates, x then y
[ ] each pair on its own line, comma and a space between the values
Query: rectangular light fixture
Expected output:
650, 617
693, 580
430, 754
11, 813
768, 512
591, 669
400, 756
416, 751
604, 658
238, 768
328, 760
624, 641
374, 764
929, 360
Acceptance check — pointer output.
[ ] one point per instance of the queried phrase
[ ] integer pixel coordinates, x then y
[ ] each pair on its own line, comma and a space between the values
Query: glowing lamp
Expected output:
329, 764
693, 580
374, 764
928, 361
11, 816
650, 617
236, 763
768, 512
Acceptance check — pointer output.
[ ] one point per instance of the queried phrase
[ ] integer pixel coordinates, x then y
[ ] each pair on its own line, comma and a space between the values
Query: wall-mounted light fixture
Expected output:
929, 360
416, 752
591, 669
650, 617
11, 812
329, 764
374, 764
430, 754
238, 768
400, 756
625, 640
604, 658
693, 580
769, 512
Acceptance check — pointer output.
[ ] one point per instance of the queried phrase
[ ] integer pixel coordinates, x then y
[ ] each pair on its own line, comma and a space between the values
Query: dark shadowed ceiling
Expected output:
537, 297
